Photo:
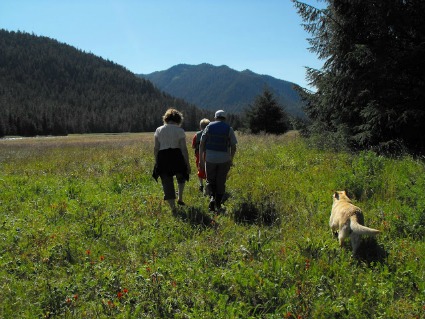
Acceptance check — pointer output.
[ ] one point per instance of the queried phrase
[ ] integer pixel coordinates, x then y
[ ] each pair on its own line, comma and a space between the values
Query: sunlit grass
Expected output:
84, 233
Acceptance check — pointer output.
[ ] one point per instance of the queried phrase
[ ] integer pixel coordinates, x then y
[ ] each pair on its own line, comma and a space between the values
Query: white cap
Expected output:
220, 113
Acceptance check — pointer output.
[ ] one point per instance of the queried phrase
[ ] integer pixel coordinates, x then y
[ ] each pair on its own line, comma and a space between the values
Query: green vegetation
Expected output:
50, 88
371, 88
84, 233
266, 115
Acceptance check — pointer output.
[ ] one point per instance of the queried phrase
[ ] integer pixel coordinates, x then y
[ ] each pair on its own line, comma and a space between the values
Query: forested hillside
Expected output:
47, 87
210, 86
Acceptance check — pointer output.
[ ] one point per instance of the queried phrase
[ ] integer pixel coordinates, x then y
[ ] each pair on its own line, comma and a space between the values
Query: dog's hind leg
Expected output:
355, 242
344, 232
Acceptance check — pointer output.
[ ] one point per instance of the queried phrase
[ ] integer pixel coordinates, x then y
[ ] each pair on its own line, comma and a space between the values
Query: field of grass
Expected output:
85, 233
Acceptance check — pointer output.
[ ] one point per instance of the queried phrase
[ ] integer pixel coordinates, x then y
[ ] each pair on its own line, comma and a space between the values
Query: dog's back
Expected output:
348, 220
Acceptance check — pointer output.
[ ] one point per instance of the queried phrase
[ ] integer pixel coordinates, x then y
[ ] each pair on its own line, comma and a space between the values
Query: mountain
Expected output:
51, 88
215, 87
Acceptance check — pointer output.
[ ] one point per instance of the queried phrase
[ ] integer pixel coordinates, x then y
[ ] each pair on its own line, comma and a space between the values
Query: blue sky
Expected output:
264, 36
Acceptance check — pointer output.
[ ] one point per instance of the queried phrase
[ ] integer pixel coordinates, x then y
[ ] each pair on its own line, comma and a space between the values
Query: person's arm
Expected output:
202, 155
233, 142
156, 148
203, 149
232, 153
185, 153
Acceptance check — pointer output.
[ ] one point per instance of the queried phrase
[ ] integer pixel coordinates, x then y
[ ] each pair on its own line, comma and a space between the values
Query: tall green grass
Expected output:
84, 233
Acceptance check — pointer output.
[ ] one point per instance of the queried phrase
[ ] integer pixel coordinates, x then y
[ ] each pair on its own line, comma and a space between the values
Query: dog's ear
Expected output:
336, 195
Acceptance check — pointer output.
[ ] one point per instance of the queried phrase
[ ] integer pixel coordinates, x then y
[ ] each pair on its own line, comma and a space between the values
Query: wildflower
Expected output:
75, 296
119, 294
68, 300
88, 252
307, 264
102, 258
288, 314
125, 290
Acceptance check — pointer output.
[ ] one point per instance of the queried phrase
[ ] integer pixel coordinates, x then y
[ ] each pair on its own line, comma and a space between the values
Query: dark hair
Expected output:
172, 115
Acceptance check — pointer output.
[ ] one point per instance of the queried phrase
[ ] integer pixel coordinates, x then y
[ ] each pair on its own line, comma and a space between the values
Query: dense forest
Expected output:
371, 89
50, 88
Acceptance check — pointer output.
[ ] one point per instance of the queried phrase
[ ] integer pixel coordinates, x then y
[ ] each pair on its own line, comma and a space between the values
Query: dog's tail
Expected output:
360, 229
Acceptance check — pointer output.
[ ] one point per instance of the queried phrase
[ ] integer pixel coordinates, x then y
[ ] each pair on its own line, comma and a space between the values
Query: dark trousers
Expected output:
216, 178
168, 185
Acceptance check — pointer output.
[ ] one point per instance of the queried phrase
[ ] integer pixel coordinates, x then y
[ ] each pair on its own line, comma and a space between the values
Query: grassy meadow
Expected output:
85, 233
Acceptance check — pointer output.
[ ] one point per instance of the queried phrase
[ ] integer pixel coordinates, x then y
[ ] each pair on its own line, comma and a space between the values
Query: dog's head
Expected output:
340, 196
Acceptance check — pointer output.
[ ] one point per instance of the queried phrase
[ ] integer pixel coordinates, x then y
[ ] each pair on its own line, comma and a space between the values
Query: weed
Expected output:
93, 238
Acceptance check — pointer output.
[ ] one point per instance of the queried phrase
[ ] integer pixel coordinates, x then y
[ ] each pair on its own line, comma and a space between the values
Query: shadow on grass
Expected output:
264, 213
195, 216
370, 251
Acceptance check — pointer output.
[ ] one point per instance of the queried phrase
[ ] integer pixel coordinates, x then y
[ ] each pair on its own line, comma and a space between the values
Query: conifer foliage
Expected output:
50, 88
371, 89
266, 115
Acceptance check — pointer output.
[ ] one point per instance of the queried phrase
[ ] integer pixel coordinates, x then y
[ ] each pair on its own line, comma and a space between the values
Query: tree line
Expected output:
50, 88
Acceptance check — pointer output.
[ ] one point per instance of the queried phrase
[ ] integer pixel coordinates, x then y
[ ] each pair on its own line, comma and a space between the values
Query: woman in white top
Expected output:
171, 157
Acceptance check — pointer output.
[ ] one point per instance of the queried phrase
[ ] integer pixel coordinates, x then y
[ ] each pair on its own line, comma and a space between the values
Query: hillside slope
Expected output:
48, 87
213, 87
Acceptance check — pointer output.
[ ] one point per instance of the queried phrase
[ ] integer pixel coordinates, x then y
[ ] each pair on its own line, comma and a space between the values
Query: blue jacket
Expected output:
218, 136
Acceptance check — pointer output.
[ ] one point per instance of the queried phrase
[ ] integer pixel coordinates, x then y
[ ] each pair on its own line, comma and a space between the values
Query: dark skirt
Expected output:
170, 162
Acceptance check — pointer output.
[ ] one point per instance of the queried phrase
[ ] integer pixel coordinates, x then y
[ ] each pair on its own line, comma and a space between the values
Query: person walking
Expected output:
217, 150
171, 157
195, 145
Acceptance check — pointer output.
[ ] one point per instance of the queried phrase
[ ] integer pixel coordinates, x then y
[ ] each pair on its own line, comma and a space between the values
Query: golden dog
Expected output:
348, 221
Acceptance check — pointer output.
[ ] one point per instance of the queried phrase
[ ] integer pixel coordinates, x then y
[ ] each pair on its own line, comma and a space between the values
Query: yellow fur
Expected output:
347, 219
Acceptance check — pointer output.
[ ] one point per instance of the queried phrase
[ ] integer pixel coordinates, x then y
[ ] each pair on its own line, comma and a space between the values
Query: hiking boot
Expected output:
201, 188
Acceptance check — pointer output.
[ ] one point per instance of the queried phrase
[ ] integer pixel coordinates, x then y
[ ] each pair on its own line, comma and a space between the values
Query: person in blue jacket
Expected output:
218, 144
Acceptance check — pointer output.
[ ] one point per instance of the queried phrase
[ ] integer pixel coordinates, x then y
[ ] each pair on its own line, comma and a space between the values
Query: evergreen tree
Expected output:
266, 115
371, 88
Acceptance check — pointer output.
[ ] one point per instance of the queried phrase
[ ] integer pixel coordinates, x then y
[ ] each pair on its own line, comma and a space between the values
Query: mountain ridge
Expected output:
211, 87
